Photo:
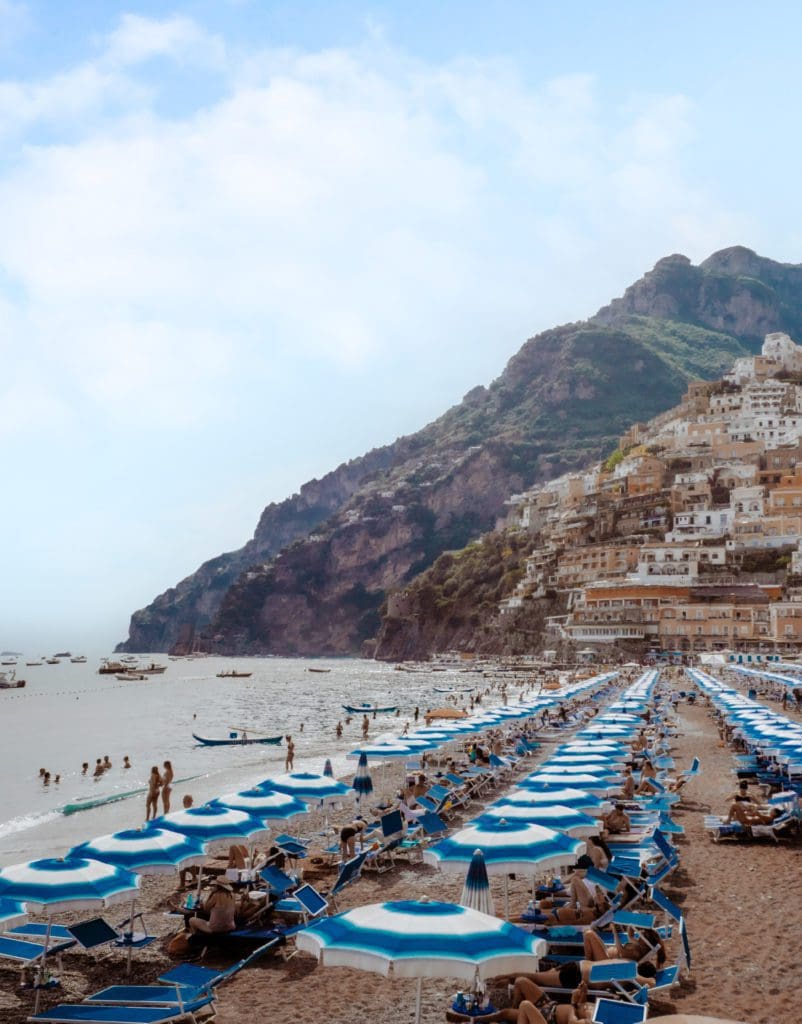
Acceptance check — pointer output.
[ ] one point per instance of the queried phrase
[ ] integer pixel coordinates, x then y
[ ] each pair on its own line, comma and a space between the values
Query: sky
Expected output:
242, 242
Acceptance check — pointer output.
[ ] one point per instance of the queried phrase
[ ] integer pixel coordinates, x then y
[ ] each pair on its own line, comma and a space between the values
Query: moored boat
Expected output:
9, 681
368, 709
236, 738
126, 677
310, 669
233, 674
111, 668
152, 669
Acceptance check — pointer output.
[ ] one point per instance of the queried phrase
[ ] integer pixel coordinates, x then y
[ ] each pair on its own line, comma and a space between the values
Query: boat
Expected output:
9, 681
63, 654
32, 663
310, 669
111, 668
125, 677
152, 669
233, 674
79, 660
237, 738
368, 709
53, 661
444, 689
11, 662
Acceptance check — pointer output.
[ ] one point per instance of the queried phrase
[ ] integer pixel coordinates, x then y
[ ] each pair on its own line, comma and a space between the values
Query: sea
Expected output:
68, 714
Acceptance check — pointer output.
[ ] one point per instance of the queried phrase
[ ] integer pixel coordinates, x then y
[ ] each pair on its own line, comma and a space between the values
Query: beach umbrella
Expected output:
328, 771
145, 851
562, 819
592, 783
384, 750
261, 804
71, 883
476, 891
508, 846
209, 823
363, 784
565, 796
418, 939
306, 786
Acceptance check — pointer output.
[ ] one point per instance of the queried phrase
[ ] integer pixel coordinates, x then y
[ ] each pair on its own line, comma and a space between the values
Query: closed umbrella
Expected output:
363, 784
328, 771
411, 939
476, 891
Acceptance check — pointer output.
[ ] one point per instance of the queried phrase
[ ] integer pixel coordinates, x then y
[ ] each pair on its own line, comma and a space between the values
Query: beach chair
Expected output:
29, 954
306, 902
90, 1013
146, 995
694, 769
277, 881
674, 916
611, 1011
348, 874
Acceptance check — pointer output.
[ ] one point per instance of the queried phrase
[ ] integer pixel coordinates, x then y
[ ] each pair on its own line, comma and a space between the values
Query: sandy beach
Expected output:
740, 900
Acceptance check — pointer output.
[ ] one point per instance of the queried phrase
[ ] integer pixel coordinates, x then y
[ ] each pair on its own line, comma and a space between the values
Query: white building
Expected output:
697, 524
675, 563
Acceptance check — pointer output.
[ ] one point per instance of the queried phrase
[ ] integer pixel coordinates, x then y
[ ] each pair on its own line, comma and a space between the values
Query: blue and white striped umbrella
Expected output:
209, 823
306, 786
384, 751
596, 771
555, 816
363, 784
582, 761
263, 804
565, 796
592, 783
12, 913
146, 851
476, 891
507, 847
72, 883
410, 939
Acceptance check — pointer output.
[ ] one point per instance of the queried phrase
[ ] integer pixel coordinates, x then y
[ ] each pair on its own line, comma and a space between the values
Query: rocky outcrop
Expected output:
321, 564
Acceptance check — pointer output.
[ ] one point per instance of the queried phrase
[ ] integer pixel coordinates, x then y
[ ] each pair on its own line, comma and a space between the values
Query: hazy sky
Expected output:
242, 242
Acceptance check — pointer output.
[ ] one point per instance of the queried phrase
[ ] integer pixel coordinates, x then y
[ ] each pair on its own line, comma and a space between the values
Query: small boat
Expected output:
111, 668
238, 738
125, 677
310, 669
11, 662
63, 654
368, 709
53, 661
79, 660
444, 689
32, 663
233, 674
8, 681
152, 669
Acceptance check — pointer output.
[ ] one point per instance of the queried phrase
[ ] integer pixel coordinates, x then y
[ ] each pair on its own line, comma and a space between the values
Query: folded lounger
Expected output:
70, 1013
147, 995
610, 1011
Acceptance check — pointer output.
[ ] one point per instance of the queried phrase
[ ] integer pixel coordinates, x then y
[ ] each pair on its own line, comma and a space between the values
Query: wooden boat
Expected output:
444, 689
238, 738
152, 669
79, 660
233, 674
111, 668
367, 709
31, 663
53, 661
310, 669
8, 682
126, 677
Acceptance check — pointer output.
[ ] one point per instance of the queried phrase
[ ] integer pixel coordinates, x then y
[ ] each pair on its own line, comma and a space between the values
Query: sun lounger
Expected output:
611, 1011
34, 931
305, 902
277, 881
348, 874
27, 953
88, 1013
146, 995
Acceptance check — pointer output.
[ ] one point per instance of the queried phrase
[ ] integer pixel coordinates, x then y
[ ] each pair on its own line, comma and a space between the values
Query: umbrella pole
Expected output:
130, 938
506, 897
418, 1000
41, 970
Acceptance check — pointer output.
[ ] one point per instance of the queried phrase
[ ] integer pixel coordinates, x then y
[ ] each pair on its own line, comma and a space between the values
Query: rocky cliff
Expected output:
314, 578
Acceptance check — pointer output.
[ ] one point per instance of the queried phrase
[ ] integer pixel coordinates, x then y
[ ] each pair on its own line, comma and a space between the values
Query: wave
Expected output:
28, 821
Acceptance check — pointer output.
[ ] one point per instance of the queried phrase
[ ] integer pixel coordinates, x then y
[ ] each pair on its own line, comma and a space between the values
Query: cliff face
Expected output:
320, 565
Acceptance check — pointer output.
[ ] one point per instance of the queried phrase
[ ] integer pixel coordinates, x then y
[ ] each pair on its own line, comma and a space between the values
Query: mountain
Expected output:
321, 564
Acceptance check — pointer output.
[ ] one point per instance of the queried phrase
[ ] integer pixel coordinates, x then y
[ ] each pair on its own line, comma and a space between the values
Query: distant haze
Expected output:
240, 245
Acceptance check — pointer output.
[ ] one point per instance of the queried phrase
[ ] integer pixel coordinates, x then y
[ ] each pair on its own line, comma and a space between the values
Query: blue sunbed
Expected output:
70, 1013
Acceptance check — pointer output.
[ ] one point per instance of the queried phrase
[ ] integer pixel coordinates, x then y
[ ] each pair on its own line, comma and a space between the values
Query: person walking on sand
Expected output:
154, 785
339, 730
417, 714
167, 786
365, 727
289, 760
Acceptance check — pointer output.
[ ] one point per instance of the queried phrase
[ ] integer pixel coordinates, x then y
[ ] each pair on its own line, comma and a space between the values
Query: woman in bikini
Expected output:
167, 786
154, 785
531, 1005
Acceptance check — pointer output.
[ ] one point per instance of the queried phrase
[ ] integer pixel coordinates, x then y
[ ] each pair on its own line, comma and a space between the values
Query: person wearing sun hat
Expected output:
219, 909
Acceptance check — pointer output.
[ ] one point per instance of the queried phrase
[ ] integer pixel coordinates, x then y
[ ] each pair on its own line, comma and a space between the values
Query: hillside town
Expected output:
687, 537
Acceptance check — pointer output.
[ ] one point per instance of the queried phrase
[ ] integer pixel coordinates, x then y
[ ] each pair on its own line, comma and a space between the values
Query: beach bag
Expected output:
178, 945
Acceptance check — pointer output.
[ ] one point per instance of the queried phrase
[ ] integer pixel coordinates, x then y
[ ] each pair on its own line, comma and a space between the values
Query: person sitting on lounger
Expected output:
220, 909
531, 1005
559, 977
617, 821
647, 773
628, 785
747, 814
585, 900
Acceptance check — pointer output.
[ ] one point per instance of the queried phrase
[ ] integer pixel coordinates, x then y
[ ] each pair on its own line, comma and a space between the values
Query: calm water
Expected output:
68, 714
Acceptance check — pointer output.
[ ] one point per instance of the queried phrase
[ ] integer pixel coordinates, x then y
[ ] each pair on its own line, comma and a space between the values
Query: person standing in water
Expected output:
154, 785
365, 726
167, 786
289, 760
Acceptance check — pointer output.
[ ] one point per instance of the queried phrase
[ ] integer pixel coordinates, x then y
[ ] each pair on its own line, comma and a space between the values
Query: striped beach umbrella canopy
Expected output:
363, 784
565, 796
209, 823
306, 786
411, 939
383, 751
261, 804
570, 822
580, 761
476, 891
71, 883
592, 783
146, 851
507, 846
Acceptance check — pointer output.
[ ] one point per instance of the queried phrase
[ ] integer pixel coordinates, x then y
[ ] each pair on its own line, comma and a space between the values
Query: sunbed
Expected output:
89, 1013
611, 1011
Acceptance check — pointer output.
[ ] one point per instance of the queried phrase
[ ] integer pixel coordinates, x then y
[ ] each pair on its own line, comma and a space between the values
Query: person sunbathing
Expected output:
617, 821
569, 975
749, 814
584, 900
531, 1005
637, 946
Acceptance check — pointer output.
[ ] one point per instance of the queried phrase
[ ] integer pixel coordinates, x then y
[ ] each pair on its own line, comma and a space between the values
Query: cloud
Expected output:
327, 208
